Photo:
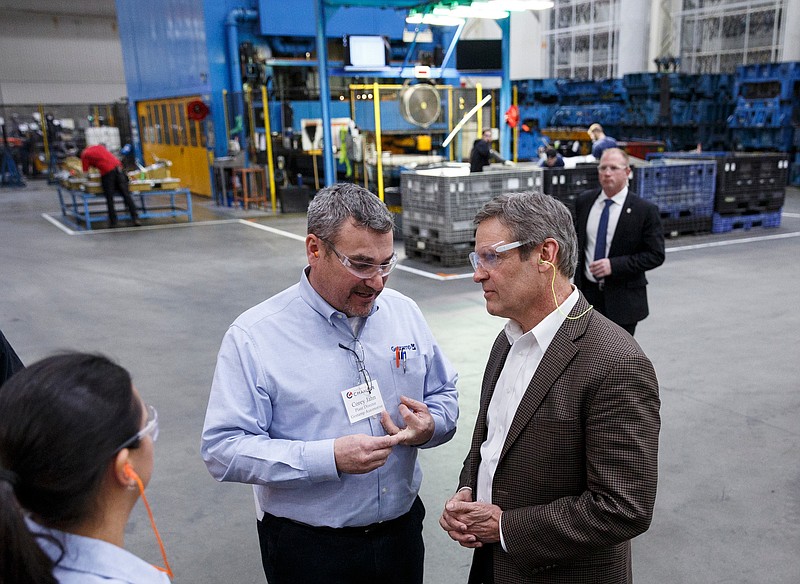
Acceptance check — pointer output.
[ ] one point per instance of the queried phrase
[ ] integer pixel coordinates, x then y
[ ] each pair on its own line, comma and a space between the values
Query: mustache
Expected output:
365, 290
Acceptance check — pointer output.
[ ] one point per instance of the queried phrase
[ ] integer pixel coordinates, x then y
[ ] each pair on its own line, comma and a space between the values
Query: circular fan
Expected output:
420, 104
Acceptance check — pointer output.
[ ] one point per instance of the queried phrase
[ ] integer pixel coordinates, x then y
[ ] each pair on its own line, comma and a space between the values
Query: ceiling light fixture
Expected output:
474, 10
514, 5
415, 17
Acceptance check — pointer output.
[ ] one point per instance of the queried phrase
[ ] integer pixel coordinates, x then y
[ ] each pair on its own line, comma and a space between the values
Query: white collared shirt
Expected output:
594, 219
523, 359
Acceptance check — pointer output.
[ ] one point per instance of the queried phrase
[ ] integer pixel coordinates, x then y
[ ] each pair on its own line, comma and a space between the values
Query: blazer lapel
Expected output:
560, 352
622, 232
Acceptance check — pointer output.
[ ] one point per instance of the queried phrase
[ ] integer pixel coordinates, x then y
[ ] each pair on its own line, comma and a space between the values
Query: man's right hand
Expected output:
359, 453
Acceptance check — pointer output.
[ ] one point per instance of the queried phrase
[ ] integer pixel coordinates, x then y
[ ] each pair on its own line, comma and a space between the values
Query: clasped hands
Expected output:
470, 523
360, 453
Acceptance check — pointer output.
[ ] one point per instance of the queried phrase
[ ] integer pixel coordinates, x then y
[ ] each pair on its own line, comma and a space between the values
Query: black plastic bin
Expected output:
294, 199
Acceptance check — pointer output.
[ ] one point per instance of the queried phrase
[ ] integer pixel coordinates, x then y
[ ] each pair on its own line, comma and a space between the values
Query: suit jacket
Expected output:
577, 475
638, 246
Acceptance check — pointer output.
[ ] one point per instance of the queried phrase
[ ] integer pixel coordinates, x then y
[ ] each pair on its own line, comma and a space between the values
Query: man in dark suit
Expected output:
562, 469
620, 237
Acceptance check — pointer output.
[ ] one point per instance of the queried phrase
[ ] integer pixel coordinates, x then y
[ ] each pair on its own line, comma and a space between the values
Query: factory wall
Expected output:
164, 47
59, 59
528, 45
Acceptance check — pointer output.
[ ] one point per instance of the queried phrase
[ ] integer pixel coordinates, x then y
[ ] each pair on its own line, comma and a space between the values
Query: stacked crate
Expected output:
750, 191
439, 206
565, 184
684, 191
750, 188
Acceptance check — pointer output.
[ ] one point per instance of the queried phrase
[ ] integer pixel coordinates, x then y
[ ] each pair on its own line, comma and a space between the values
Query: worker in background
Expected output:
482, 152
322, 398
620, 237
600, 141
113, 179
552, 159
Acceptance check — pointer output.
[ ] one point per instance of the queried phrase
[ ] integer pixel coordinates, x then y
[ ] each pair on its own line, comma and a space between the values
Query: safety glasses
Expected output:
364, 270
150, 429
489, 258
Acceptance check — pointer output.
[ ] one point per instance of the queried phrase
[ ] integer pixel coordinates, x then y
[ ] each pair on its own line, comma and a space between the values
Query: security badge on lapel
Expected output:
363, 401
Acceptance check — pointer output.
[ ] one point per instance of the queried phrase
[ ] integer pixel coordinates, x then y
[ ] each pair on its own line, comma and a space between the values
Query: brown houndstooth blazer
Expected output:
577, 475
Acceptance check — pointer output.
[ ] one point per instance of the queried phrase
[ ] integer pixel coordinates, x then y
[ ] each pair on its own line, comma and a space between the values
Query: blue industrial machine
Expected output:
195, 73
221, 53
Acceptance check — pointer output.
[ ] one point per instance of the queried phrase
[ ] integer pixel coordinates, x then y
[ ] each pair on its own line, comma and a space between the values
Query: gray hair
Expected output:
334, 205
533, 216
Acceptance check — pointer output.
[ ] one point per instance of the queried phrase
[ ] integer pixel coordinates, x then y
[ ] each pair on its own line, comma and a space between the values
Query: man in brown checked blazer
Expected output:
562, 469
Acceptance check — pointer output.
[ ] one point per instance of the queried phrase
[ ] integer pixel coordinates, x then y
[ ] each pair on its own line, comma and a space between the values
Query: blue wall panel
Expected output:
297, 18
163, 48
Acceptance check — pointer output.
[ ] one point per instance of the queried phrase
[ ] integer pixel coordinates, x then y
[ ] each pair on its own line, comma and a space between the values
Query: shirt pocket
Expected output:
408, 379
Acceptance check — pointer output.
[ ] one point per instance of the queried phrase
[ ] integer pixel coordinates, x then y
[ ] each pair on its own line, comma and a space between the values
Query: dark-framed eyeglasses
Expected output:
150, 428
358, 352
364, 270
489, 258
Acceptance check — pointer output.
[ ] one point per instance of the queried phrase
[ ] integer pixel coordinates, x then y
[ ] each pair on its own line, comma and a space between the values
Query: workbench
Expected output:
88, 208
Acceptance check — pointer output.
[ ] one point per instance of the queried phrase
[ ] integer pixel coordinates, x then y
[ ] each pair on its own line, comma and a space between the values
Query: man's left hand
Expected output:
419, 422
482, 520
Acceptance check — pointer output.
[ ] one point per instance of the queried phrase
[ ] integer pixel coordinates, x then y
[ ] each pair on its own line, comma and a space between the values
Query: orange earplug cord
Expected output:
140, 484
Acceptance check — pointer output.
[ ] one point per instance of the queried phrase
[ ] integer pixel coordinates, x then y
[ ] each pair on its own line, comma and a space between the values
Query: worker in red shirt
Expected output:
113, 179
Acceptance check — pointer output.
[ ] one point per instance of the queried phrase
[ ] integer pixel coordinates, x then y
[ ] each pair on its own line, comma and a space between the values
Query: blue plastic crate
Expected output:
578, 88
678, 186
795, 176
533, 91
724, 224
641, 83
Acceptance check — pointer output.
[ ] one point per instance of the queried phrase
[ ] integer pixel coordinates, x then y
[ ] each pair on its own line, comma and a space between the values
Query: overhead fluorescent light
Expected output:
433, 19
515, 5
475, 10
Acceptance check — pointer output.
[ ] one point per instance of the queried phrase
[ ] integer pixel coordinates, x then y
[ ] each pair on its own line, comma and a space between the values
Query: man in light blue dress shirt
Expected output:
322, 396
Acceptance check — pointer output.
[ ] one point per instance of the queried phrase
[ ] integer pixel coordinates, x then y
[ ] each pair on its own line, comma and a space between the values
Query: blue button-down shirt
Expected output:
276, 407
85, 560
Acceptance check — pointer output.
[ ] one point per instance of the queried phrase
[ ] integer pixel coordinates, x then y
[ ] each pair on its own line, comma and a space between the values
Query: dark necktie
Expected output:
602, 230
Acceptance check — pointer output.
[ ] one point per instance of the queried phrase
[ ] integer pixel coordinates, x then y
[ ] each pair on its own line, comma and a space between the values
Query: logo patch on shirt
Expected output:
409, 347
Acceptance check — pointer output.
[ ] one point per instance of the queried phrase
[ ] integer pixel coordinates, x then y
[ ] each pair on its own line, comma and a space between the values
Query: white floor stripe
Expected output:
439, 276
734, 241
58, 224
106, 230
273, 230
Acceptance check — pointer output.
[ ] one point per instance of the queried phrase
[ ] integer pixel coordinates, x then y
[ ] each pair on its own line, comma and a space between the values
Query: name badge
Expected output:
361, 401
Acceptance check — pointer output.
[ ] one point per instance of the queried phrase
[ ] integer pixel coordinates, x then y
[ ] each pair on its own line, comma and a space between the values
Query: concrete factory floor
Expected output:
723, 335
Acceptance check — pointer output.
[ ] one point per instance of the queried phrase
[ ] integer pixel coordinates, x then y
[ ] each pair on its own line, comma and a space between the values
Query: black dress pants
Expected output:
114, 182
391, 552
